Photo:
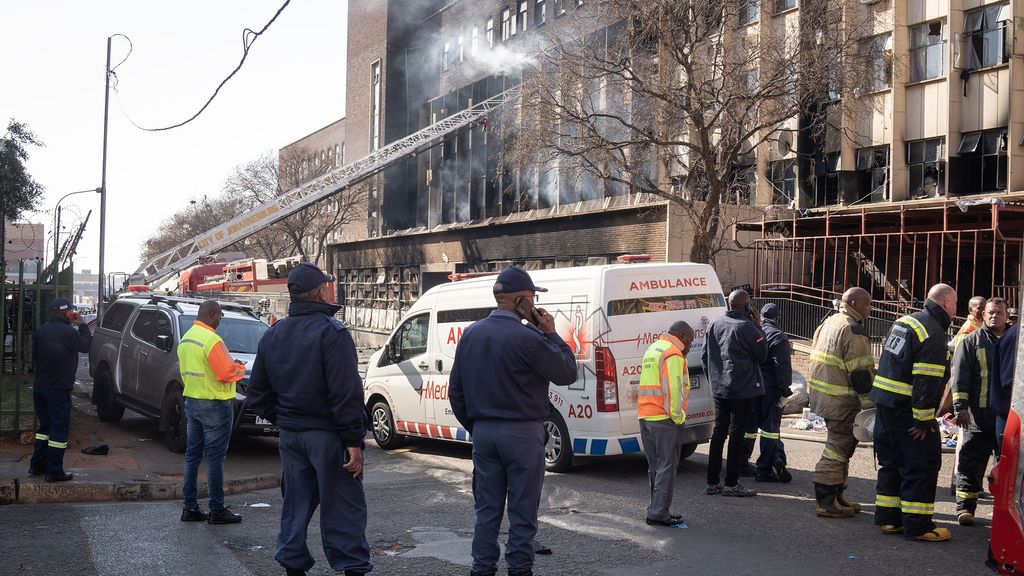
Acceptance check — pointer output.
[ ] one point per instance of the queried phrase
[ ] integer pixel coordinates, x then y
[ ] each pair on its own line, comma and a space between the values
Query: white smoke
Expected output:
497, 60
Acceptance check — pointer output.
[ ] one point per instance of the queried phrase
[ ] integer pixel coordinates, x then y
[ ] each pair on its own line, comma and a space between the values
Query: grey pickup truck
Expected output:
134, 361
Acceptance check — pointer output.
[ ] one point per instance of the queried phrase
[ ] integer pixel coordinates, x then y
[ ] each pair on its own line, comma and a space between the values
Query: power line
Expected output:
249, 37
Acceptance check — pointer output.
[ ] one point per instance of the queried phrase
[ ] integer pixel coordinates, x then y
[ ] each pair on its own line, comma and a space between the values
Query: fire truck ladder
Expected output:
188, 253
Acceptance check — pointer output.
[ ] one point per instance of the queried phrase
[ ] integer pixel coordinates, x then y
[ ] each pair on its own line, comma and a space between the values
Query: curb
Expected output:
39, 492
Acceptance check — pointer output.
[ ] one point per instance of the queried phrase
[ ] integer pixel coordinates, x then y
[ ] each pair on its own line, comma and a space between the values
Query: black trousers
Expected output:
908, 472
731, 418
979, 442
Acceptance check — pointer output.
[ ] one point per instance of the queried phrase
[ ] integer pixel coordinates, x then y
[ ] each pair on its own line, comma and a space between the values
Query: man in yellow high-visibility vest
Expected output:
209, 375
661, 407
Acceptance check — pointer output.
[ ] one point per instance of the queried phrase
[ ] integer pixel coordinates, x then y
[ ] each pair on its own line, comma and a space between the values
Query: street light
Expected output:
56, 221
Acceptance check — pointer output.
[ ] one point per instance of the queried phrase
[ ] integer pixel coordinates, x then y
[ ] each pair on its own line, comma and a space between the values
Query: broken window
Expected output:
540, 13
783, 5
873, 173
559, 8
506, 25
928, 51
523, 9
983, 163
782, 175
744, 184
826, 180
748, 11
924, 163
877, 53
489, 32
985, 36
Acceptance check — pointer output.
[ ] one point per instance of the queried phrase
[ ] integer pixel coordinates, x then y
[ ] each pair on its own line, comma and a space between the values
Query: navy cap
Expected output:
60, 304
770, 311
306, 277
515, 279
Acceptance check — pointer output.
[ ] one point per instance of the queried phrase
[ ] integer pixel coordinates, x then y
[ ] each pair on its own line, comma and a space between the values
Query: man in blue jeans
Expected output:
209, 375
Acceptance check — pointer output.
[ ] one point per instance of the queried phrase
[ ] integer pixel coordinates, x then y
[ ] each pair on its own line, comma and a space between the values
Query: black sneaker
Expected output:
223, 516
712, 489
193, 515
293, 572
769, 477
738, 491
784, 475
62, 477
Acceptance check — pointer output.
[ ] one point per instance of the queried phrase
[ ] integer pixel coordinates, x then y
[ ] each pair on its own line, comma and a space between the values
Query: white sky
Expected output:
52, 57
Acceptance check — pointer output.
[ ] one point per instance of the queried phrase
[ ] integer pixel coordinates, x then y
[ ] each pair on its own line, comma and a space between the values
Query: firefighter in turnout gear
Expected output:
661, 407
842, 367
907, 389
975, 372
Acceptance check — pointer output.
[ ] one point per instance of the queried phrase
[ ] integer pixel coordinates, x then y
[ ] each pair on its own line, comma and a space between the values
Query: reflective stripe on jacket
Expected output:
664, 382
912, 368
975, 369
207, 371
839, 350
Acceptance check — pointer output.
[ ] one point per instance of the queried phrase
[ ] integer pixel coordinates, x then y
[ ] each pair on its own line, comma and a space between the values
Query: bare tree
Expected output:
199, 216
309, 231
675, 97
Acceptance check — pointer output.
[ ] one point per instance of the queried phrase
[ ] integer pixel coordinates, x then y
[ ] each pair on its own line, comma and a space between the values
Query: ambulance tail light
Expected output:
607, 381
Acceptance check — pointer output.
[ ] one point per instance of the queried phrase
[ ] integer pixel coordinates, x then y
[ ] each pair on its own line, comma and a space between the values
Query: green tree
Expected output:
19, 192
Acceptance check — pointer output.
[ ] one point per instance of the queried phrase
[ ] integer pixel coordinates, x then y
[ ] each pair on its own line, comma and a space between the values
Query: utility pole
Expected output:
101, 285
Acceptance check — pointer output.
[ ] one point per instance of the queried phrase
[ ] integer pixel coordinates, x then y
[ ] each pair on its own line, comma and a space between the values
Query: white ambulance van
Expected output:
609, 315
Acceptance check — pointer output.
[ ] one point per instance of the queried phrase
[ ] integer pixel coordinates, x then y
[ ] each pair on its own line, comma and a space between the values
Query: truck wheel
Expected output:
687, 451
382, 423
175, 423
107, 408
558, 450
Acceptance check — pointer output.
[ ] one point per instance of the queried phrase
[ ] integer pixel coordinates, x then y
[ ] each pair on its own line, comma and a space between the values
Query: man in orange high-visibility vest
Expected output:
661, 407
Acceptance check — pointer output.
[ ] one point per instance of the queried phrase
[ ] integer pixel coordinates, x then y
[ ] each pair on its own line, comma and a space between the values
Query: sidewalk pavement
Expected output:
138, 467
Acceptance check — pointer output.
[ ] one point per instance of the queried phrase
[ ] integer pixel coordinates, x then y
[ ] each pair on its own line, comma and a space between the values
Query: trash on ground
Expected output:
680, 525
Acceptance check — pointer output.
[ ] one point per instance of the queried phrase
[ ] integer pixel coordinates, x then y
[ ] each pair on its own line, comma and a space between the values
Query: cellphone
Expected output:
526, 312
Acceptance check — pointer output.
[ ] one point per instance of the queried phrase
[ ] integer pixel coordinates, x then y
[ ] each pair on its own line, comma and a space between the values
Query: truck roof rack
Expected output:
174, 302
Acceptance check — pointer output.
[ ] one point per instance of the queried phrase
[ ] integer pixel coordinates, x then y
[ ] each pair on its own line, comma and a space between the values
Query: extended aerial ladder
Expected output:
188, 253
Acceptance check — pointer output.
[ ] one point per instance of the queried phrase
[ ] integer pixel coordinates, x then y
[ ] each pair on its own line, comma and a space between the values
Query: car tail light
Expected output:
607, 380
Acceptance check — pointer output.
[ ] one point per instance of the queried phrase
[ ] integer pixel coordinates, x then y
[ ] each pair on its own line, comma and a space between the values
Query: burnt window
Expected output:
924, 164
782, 175
873, 173
826, 180
506, 25
877, 54
985, 36
983, 162
928, 51
540, 13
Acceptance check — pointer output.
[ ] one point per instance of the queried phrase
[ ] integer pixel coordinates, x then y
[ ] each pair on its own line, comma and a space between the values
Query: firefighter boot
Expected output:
843, 502
826, 505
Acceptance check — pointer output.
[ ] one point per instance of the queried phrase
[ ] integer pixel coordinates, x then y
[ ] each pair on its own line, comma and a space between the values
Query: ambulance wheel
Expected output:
687, 451
382, 424
557, 451
107, 408
175, 423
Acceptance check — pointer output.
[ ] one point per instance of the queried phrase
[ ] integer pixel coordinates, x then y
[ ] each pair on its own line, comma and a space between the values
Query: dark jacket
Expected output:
1000, 395
55, 349
306, 377
914, 365
777, 371
502, 369
733, 352
975, 370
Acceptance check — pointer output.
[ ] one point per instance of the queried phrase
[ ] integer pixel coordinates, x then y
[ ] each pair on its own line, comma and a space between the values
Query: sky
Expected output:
52, 58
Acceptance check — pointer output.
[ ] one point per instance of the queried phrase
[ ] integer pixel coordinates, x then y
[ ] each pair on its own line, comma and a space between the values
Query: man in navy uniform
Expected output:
499, 393
55, 349
306, 380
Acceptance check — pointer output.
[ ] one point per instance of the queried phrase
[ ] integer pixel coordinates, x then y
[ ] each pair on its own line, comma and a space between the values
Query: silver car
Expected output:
134, 361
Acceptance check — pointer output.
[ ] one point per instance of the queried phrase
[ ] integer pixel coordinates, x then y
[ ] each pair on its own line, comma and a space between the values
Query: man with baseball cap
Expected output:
499, 392
306, 380
55, 349
777, 372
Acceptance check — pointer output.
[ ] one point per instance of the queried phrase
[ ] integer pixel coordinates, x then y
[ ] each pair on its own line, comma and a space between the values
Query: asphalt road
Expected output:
421, 524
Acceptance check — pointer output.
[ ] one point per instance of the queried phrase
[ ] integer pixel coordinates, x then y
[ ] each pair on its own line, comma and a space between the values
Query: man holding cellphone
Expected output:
55, 349
499, 393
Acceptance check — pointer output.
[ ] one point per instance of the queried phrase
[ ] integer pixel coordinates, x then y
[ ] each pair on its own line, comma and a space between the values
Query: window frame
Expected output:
925, 49
984, 28
785, 6
989, 163
109, 318
524, 11
395, 342
922, 166
143, 338
489, 32
506, 24
744, 10
788, 180
868, 170
540, 13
